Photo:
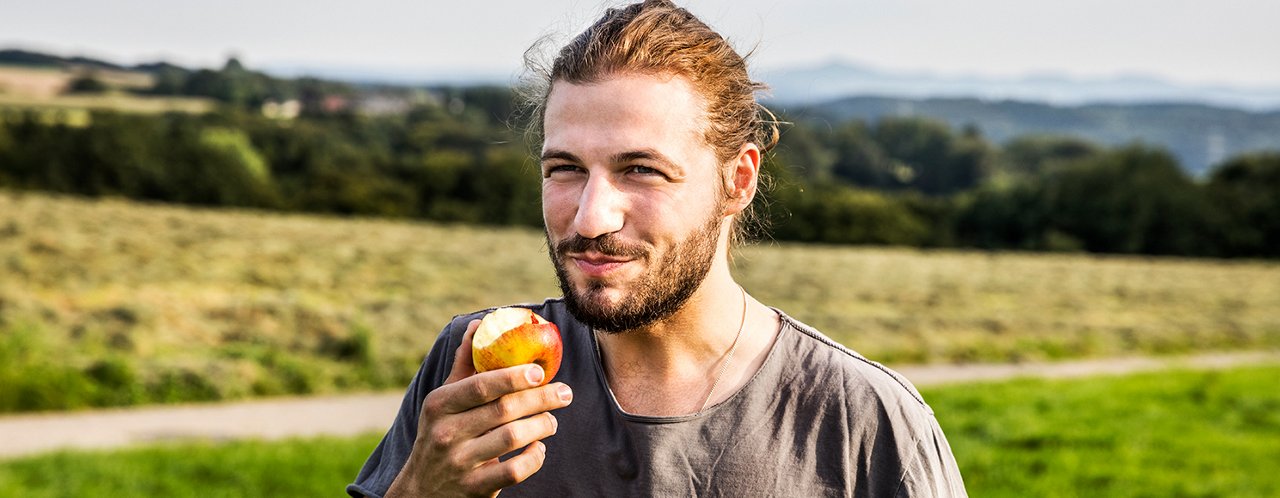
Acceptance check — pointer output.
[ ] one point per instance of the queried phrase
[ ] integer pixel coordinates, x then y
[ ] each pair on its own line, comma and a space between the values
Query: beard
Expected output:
660, 292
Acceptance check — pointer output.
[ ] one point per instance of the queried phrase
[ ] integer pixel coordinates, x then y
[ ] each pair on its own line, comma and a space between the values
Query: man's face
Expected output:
632, 197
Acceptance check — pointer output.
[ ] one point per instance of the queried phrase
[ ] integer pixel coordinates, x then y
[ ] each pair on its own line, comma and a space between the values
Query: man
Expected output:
674, 380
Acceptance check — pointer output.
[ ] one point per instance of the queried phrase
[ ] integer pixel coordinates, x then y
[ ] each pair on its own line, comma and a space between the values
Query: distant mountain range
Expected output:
839, 79
802, 85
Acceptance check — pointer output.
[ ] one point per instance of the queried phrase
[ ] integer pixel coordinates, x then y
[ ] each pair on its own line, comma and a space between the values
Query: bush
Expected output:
86, 84
1245, 191
842, 215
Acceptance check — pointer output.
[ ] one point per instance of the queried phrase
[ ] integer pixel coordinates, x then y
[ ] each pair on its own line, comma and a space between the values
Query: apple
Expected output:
516, 336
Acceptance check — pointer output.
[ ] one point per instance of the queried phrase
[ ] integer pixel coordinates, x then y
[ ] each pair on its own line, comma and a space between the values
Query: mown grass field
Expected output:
107, 303
45, 82
42, 90
1172, 434
75, 108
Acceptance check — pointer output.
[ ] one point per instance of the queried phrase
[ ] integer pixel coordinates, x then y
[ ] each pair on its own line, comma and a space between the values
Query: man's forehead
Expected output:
631, 108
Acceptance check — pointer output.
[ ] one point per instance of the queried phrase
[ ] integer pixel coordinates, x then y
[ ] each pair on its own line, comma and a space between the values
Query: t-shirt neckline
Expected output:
784, 326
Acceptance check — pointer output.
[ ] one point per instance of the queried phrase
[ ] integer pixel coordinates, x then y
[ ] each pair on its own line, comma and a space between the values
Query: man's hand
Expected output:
473, 419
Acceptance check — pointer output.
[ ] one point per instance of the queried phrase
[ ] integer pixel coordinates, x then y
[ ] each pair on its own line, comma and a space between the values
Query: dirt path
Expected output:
357, 414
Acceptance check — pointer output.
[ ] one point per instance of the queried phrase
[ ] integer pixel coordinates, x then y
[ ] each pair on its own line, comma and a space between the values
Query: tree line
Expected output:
898, 181
916, 182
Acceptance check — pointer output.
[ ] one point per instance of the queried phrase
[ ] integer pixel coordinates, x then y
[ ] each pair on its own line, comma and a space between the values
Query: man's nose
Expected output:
600, 208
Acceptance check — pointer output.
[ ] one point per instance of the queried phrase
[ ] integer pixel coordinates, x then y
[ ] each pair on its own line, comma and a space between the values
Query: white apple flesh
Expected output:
516, 336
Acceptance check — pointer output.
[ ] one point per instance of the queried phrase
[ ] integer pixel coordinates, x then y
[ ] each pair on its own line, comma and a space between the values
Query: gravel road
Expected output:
346, 415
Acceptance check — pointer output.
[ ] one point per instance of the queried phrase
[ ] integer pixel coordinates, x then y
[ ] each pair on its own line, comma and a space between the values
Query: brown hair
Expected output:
657, 37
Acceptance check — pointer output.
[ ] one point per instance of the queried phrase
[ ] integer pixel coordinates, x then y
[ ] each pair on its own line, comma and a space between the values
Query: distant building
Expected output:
334, 103
396, 101
288, 109
382, 104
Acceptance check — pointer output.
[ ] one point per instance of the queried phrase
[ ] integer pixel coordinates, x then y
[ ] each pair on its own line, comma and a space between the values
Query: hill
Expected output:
1199, 135
18, 57
808, 85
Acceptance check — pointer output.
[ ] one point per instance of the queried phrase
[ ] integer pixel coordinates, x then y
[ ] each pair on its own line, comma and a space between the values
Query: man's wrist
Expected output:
407, 483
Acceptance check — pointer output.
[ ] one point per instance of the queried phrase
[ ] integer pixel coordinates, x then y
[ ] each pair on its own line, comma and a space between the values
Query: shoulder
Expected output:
829, 362
880, 412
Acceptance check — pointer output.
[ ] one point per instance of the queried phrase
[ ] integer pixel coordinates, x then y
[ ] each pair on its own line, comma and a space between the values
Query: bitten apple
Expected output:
516, 336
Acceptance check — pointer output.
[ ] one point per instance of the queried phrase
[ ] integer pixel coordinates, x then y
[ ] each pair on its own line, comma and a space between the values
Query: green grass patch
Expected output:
1171, 434
36, 374
300, 467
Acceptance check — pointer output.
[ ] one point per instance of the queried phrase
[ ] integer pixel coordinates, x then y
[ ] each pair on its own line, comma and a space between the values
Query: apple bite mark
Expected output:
508, 337
499, 321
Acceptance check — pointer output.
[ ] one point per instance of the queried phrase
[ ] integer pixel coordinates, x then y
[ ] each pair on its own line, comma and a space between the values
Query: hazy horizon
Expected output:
1228, 43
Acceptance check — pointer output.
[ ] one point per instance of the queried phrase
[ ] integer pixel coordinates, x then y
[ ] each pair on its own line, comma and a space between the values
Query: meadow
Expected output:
1169, 434
42, 90
75, 109
110, 303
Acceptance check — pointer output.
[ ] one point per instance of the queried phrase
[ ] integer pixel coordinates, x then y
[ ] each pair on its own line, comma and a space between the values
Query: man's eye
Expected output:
561, 168
645, 170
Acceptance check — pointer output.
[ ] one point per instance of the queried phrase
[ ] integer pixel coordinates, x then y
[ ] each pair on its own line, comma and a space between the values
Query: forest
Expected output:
460, 154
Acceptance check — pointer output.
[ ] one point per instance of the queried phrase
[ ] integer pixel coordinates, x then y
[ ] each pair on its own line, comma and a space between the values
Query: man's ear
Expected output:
742, 179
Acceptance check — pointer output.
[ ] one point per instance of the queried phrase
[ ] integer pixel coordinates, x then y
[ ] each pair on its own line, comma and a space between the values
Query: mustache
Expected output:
607, 244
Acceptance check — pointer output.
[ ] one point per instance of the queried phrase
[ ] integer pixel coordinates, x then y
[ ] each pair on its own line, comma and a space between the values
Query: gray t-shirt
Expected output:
816, 420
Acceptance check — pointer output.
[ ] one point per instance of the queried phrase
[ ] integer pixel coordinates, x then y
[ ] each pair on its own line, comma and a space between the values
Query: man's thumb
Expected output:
463, 366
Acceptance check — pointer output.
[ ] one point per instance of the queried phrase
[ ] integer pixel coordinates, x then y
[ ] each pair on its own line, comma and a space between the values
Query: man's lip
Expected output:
597, 258
597, 265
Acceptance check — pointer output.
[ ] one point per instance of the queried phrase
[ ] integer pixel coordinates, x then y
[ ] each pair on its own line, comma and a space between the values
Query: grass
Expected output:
34, 82
910, 306
42, 81
76, 105
300, 467
108, 303
1171, 434
1180, 434
41, 89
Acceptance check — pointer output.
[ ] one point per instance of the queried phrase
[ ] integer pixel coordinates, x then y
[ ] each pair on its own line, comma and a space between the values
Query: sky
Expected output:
1231, 42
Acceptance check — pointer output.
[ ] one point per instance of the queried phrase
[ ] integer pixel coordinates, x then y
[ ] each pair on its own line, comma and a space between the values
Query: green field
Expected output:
108, 303
1202, 434
1173, 434
302, 468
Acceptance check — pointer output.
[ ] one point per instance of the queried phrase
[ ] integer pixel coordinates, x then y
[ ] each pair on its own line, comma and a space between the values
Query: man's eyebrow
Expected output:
560, 154
651, 155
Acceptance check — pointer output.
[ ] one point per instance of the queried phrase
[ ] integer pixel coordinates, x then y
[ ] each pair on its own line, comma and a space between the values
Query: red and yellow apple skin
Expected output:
516, 336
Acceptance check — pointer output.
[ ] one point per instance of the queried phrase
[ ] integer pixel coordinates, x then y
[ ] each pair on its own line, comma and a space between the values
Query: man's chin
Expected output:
601, 309
600, 300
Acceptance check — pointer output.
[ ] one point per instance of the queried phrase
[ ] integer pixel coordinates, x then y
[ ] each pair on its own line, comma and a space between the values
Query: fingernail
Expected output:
555, 424
535, 375
565, 393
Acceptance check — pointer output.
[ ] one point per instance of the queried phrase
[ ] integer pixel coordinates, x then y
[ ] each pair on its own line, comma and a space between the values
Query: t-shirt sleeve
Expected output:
932, 472
389, 456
